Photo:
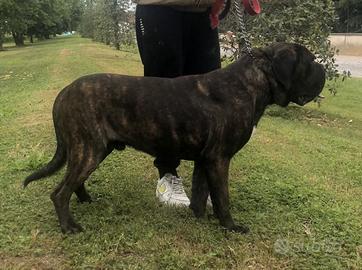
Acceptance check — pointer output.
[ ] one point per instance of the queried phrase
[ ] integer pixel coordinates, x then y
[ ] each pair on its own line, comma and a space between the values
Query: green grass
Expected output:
297, 184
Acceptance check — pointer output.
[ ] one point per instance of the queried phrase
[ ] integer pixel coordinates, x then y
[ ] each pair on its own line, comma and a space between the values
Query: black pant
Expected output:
174, 43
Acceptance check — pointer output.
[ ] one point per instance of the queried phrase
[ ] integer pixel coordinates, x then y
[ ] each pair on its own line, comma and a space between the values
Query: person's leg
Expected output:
166, 164
201, 44
169, 188
159, 39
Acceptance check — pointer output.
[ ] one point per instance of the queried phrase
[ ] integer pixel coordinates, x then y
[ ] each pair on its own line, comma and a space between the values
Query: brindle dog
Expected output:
205, 118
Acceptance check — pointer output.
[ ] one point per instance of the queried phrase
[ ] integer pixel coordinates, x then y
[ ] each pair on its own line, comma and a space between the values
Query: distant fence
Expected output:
346, 39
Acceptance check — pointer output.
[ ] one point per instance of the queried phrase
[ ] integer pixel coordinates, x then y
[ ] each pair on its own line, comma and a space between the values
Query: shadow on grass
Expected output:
57, 40
296, 113
61, 40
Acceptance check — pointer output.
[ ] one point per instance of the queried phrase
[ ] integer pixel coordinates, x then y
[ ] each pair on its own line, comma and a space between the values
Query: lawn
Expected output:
297, 184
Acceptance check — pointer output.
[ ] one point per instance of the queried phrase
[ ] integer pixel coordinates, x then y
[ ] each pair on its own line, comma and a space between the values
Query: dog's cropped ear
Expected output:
284, 64
304, 53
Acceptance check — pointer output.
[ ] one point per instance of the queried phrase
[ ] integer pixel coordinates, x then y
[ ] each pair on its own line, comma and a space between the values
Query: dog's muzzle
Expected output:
314, 85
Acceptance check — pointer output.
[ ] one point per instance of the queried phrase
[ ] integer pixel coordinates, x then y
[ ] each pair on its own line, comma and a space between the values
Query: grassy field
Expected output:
297, 184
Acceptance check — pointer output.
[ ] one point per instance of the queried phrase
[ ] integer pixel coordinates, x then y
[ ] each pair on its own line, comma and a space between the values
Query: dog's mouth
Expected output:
314, 85
302, 100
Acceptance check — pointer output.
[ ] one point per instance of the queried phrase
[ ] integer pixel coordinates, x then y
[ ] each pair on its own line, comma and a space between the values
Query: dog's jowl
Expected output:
205, 118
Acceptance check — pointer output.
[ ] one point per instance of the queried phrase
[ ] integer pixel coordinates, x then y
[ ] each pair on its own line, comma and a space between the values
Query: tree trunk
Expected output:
107, 41
2, 35
31, 39
115, 19
118, 47
18, 39
1, 41
116, 35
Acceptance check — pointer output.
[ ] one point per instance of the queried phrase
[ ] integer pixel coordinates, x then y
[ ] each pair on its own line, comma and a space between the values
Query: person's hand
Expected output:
216, 10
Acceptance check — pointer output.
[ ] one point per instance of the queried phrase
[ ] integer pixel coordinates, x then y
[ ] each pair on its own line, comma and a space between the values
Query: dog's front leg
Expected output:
200, 189
217, 172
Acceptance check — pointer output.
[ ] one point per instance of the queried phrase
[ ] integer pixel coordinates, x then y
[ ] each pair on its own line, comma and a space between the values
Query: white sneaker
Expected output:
209, 202
170, 191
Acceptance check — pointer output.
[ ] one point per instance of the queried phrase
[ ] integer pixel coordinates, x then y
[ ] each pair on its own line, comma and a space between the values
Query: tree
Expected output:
107, 21
54, 17
41, 18
18, 18
4, 17
349, 16
87, 23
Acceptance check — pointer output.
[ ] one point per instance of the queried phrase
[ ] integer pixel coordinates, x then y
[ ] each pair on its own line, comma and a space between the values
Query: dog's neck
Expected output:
258, 84
265, 64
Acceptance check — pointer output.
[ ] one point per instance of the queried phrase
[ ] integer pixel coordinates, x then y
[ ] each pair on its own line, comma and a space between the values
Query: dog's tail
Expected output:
57, 161
54, 165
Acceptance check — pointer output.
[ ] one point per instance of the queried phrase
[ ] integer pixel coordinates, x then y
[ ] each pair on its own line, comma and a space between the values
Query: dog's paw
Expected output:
239, 229
85, 199
71, 228
199, 212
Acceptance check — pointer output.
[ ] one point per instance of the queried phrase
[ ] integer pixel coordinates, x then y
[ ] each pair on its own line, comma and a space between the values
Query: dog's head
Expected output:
300, 79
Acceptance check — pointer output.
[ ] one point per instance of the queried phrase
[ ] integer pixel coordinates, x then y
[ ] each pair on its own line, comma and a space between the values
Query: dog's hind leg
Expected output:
200, 190
81, 191
82, 194
82, 161
217, 178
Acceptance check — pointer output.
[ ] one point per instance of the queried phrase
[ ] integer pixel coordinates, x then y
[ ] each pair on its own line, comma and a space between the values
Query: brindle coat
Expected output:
205, 118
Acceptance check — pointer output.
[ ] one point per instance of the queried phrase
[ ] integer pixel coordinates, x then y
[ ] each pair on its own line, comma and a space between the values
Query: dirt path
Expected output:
351, 63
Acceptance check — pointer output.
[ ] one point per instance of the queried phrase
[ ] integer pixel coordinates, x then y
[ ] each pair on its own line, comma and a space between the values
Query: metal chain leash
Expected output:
244, 42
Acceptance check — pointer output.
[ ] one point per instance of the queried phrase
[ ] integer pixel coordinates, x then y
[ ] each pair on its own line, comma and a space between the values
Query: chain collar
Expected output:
244, 43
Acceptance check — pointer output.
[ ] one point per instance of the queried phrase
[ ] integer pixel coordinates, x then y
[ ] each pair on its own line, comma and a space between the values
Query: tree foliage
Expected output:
54, 17
41, 18
4, 28
108, 21
349, 16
